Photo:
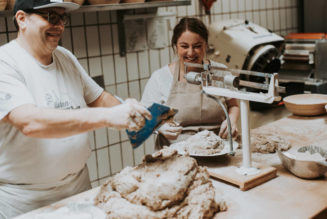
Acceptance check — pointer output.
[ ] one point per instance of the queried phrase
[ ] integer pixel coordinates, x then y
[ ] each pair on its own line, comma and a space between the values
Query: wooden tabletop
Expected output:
285, 196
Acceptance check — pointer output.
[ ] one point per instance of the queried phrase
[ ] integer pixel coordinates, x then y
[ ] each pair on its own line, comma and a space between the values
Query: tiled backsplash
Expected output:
93, 38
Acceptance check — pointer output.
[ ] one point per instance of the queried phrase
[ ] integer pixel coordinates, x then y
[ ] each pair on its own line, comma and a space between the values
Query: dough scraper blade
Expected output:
159, 113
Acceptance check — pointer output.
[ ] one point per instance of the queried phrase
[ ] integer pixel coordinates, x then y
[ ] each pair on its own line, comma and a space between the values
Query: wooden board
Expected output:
244, 182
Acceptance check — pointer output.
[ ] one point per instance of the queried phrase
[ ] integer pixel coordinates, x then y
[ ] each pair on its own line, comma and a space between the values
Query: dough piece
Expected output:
167, 185
268, 143
202, 143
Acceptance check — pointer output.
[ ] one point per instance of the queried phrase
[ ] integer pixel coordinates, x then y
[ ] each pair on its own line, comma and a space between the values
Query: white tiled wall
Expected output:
93, 38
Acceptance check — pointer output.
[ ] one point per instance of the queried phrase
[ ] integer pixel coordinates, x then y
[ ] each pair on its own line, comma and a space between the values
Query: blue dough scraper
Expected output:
159, 113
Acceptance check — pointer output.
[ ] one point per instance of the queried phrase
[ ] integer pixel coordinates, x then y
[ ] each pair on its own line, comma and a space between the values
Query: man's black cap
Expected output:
38, 4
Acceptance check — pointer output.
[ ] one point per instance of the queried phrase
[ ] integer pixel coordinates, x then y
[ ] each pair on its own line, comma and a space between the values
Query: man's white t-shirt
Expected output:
63, 84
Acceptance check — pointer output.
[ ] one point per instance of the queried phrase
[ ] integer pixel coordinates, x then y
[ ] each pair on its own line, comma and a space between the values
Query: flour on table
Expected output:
165, 185
202, 143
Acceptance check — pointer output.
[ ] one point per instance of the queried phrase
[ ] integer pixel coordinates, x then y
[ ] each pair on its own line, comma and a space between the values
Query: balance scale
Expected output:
218, 81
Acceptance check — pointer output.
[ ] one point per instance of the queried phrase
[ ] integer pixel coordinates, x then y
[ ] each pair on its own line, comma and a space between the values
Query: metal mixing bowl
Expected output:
302, 168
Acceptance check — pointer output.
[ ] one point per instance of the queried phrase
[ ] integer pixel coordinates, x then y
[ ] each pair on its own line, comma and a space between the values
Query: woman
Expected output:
168, 86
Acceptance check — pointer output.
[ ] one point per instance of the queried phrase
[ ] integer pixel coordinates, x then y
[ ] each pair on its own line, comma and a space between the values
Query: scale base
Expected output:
244, 182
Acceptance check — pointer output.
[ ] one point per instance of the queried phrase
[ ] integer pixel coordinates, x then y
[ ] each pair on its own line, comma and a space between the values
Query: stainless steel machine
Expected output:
240, 44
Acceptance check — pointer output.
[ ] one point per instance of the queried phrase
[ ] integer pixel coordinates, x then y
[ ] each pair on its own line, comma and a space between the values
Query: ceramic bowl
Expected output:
307, 169
306, 104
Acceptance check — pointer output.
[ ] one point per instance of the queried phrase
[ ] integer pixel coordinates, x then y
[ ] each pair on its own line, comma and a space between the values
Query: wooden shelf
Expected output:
120, 6
126, 6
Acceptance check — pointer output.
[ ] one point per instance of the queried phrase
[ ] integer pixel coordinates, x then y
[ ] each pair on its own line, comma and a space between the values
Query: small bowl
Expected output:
307, 169
306, 104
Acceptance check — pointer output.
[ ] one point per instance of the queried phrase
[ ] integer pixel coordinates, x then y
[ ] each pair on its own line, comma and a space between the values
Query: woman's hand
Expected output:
169, 131
223, 132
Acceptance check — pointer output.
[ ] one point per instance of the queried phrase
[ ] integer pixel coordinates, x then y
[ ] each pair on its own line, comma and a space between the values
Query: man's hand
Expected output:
130, 115
169, 131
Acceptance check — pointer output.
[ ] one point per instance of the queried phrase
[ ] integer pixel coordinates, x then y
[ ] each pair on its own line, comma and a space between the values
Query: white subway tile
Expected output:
123, 135
132, 66
11, 25
241, 5
103, 162
289, 19
249, 5
92, 166
276, 20
154, 60
225, 6
90, 18
104, 17
282, 3
115, 157
294, 18
164, 57
143, 62
191, 10
113, 136
92, 36
233, 5
122, 90
270, 19
255, 5
105, 39
115, 38
249, 16
128, 156
134, 90
139, 154
149, 144
256, 17
263, 18
181, 11
95, 66
262, 4
275, 3
143, 83
270, 4
108, 69
3, 39
283, 18
66, 40
76, 19
2, 24
79, 42
91, 139
120, 69
101, 138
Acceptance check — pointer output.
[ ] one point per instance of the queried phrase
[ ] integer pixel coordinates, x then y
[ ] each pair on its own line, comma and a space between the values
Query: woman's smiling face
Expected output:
191, 47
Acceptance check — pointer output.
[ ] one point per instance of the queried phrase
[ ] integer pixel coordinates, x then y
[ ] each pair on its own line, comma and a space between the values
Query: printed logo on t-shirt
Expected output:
4, 96
53, 101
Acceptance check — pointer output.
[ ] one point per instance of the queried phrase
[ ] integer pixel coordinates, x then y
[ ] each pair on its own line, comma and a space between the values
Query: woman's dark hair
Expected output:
191, 24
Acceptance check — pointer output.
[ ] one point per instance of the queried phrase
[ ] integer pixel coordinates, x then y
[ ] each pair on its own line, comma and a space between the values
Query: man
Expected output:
47, 105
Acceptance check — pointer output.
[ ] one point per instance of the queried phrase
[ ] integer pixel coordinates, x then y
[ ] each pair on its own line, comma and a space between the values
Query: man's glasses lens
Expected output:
52, 17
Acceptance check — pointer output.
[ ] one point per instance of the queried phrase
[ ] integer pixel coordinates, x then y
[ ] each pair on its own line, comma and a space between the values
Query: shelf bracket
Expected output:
121, 32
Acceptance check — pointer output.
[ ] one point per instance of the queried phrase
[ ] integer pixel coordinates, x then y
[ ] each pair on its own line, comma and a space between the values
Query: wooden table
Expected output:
285, 196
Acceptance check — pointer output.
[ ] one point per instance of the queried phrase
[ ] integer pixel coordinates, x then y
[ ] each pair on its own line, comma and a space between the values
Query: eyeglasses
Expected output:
51, 16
